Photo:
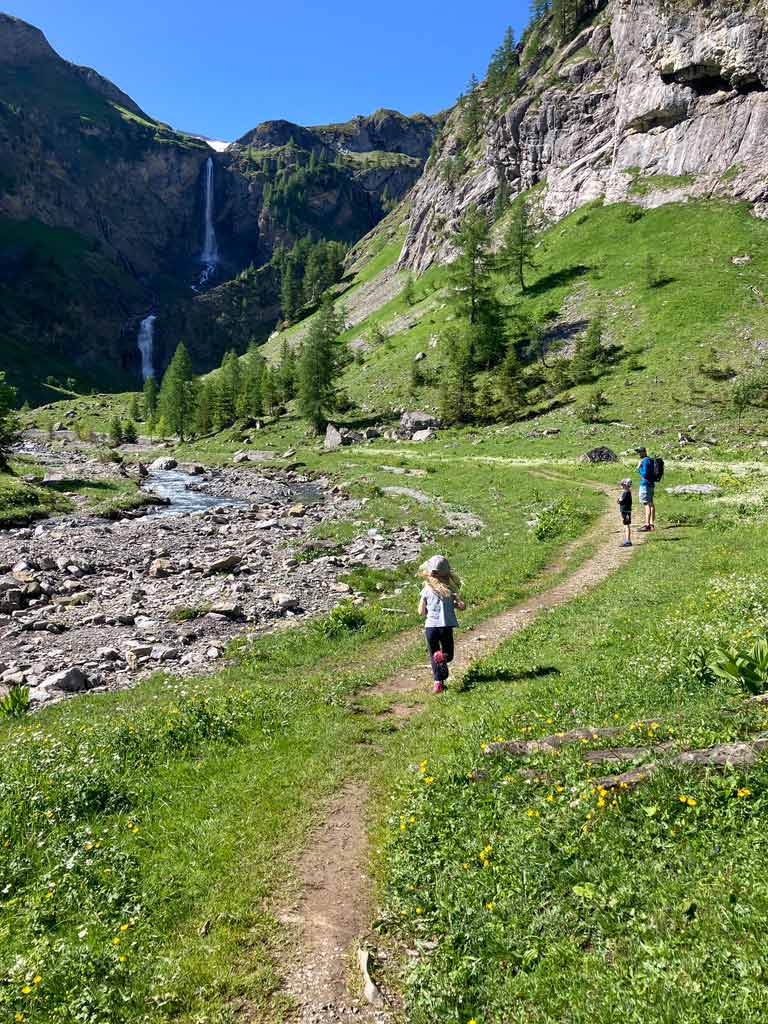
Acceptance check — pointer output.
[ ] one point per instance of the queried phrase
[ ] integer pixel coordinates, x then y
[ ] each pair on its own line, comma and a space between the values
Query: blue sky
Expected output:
219, 68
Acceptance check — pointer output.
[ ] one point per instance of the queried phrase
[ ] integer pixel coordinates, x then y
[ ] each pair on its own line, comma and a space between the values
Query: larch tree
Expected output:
177, 394
319, 366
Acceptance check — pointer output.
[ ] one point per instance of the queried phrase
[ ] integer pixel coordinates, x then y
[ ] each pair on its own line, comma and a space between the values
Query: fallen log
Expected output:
546, 744
724, 755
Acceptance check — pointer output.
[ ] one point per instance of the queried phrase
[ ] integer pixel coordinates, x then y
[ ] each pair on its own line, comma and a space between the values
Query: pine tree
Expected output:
472, 294
9, 423
409, 291
115, 431
501, 200
251, 399
469, 274
590, 355
319, 366
204, 414
227, 391
503, 69
177, 394
130, 433
456, 382
518, 245
565, 17
511, 385
269, 390
472, 112
287, 372
150, 398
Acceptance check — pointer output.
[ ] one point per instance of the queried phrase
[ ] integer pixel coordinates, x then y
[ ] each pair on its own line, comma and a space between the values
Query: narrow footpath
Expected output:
333, 912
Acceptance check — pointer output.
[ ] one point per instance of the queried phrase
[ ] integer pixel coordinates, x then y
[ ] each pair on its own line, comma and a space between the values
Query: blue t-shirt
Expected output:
647, 474
440, 610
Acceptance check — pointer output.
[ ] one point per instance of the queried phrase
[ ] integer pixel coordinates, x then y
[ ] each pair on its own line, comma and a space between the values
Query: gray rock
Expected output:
163, 464
600, 454
69, 680
223, 564
411, 422
424, 435
333, 438
285, 602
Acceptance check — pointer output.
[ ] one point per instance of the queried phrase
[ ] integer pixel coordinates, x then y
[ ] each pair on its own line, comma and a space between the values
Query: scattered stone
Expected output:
160, 569
420, 357
285, 602
694, 489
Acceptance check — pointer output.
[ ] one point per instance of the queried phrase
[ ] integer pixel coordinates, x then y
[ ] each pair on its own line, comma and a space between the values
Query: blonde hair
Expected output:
444, 585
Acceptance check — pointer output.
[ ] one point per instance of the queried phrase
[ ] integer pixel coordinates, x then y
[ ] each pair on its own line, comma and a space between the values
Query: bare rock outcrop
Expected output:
647, 88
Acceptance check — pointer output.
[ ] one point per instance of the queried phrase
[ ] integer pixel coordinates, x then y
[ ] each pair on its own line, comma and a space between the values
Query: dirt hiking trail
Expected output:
332, 914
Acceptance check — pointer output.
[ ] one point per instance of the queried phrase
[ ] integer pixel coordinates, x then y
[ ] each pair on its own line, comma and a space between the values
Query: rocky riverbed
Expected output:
89, 604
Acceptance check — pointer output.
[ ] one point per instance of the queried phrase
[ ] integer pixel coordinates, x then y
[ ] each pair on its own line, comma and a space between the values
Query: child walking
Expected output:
625, 507
438, 602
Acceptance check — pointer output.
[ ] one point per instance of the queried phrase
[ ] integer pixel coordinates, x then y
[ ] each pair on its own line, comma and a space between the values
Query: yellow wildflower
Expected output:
36, 980
743, 792
26, 990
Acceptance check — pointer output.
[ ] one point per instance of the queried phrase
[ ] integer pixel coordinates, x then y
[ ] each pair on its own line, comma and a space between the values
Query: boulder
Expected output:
420, 357
411, 422
193, 468
333, 438
600, 454
160, 569
285, 602
163, 464
223, 564
424, 435
69, 680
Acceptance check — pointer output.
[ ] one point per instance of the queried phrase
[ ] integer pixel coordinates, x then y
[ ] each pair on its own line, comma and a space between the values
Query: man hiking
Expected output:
650, 471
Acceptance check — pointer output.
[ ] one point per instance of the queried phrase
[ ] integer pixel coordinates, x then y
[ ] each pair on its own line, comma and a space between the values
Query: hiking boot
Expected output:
627, 544
441, 666
645, 529
439, 686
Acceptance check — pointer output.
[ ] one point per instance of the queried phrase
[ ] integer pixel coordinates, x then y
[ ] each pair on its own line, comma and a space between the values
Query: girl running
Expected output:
438, 602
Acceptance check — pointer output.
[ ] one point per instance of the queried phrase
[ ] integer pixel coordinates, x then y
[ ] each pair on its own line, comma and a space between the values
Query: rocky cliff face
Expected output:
281, 181
668, 95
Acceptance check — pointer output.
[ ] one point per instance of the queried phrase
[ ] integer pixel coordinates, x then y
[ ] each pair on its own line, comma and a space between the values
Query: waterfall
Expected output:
209, 257
146, 343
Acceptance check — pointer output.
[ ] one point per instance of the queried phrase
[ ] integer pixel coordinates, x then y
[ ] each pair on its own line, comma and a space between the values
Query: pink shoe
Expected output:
438, 687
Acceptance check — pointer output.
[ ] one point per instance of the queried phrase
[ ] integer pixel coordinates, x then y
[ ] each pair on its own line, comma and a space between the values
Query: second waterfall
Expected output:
209, 257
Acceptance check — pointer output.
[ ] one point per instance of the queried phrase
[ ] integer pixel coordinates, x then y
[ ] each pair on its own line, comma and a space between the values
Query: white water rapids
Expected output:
146, 342
209, 257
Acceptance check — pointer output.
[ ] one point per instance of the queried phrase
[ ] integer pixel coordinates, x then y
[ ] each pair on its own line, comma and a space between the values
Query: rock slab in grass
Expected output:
600, 454
411, 422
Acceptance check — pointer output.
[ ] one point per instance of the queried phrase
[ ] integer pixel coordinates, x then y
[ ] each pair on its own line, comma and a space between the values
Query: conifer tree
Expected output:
456, 382
565, 17
319, 366
503, 68
133, 408
472, 112
590, 355
115, 431
176, 401
511, 385
251, 399
130, 433
150, 398
269, 390
227, 390
204, 417
472, 289
516, 251
287, 372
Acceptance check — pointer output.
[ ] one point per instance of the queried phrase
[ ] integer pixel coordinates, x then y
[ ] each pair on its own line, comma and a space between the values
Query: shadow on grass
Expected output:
557, 279
476, 675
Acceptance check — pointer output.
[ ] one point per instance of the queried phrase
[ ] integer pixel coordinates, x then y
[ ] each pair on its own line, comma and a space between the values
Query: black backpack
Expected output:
658, 470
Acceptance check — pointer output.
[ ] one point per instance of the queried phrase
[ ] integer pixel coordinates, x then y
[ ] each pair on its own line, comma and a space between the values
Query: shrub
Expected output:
16, 703
345, 618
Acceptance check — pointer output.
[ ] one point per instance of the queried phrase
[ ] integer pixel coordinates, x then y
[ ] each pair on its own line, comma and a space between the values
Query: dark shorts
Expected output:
626, 518
439, 638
